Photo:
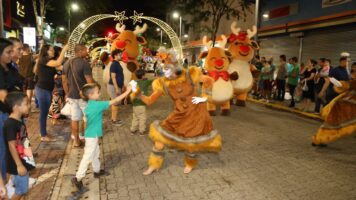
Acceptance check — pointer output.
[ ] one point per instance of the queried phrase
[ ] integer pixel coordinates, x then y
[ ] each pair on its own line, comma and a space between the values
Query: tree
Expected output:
40, 7
213, 11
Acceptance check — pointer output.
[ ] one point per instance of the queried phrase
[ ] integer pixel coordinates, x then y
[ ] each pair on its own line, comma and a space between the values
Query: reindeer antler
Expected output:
235, 30
139, 29
206, 43
253, 32
120, 28
223, 41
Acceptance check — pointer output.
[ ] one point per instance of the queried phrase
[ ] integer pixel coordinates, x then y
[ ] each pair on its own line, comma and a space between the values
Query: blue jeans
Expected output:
44, 100
3, 117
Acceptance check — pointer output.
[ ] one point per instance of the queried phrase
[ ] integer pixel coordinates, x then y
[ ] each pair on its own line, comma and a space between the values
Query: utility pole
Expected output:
257, 18
1, 20
69, 19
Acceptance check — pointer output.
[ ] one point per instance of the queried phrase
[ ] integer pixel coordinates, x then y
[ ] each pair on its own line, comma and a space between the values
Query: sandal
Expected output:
47, 139
78, 146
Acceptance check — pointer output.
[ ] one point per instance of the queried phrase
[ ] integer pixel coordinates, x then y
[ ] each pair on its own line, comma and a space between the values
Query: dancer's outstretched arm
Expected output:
151, 99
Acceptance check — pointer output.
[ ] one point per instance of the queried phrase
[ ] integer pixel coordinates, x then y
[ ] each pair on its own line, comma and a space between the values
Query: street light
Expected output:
160, 30
74, 7
61, 28
266, 16
176, 15
186, 36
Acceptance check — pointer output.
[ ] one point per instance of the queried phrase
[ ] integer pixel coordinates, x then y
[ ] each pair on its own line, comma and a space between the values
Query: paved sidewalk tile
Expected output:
50, 155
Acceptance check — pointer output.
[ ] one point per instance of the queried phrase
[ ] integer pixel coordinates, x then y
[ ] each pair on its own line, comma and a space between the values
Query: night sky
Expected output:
58, 14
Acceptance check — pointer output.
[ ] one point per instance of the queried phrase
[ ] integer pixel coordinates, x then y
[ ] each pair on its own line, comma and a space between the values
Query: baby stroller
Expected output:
57, 101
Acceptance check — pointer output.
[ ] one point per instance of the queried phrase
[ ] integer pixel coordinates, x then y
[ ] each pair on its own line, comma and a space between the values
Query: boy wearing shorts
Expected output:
19, 154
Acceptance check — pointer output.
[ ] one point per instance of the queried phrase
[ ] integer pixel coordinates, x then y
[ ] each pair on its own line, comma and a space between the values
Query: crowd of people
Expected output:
52, 80
307, 83
22, 76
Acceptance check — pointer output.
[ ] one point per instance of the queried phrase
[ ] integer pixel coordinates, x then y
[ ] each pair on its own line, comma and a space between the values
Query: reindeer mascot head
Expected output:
128, 41
241, 45
217, 61
242, 49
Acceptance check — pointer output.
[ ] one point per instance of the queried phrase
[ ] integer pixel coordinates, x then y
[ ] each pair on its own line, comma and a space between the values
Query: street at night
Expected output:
267, 154
178, 100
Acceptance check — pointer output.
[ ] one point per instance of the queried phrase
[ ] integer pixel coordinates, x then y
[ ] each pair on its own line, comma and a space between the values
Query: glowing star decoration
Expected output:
137, 17
120, 17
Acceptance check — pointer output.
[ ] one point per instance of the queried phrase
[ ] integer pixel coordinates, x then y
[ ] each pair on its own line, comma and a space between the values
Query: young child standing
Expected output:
94, 130
20, 158
138, 125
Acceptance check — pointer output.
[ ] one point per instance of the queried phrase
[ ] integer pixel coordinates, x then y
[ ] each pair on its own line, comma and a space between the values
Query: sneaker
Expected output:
31, 182
81, 136
101, 173
117, 123
77, 184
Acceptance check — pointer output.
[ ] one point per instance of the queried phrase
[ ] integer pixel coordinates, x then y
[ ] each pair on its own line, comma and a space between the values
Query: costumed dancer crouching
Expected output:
339, 114
188, 127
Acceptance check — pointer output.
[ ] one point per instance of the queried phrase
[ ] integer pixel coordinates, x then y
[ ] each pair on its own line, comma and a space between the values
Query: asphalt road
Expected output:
267, 154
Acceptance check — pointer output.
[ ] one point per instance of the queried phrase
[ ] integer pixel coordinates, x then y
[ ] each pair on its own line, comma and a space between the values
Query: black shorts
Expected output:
29, 83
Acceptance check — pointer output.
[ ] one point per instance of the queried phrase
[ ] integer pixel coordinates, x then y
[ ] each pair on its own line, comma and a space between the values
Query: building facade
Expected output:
308, 29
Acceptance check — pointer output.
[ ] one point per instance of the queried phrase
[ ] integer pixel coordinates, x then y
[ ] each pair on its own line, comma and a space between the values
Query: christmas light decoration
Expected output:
78, 32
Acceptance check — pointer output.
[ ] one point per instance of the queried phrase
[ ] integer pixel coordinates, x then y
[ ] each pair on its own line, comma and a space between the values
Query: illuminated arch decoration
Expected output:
78, 32
166, 28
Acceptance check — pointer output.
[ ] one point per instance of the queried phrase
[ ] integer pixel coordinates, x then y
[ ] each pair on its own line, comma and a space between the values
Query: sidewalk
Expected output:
284, 107
49, 156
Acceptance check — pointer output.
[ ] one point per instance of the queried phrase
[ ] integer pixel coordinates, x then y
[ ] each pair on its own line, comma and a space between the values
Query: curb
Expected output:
287, 109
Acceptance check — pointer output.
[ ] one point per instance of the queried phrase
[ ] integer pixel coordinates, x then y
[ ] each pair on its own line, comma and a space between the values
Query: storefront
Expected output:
308, 29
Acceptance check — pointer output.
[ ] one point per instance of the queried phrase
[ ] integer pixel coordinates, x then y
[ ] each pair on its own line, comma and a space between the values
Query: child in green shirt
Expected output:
138, 124
94, 130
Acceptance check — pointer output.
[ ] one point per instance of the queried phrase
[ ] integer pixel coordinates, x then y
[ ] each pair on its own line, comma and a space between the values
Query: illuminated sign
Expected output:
20, 9
29, 36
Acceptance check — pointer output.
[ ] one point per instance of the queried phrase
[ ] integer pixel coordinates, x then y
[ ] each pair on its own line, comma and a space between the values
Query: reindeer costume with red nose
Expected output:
188, 127
242, 49
128, 41
220, 90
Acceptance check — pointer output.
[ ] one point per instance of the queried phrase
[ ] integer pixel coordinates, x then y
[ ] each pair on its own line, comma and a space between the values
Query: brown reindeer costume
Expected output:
188, 127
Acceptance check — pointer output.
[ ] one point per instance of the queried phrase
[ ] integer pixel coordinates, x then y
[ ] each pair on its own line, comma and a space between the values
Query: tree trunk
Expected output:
39, 15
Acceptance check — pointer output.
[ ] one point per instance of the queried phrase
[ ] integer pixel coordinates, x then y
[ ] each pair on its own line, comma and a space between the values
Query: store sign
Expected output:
20, 9
29, 36
328, 3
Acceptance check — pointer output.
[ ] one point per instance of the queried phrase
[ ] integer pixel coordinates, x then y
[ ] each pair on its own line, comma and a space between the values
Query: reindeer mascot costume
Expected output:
340, 114
217, 63
188, 127
242, 49
127, 41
